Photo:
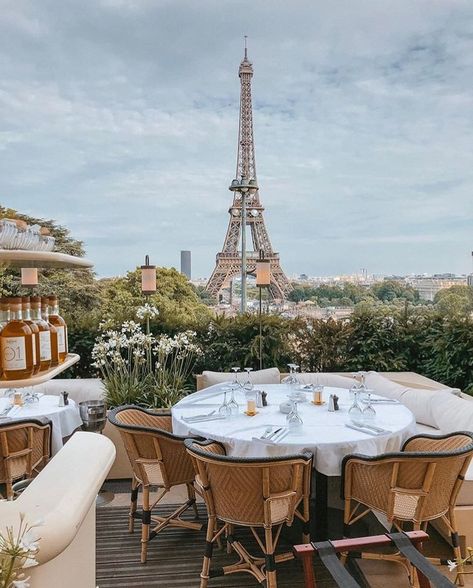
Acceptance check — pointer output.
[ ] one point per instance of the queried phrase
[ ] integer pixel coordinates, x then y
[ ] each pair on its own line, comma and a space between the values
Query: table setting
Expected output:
65, 418
288, 418
296, 418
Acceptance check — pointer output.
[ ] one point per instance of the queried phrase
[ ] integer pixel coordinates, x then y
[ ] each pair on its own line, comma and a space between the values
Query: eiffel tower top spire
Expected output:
246, 165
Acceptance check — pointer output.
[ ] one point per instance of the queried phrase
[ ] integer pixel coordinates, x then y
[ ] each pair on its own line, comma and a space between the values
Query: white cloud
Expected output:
119, 118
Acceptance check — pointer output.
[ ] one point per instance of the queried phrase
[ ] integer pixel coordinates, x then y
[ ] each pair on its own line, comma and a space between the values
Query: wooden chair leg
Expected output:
145, 523
204, 575
271, 580
229, 531
456, 545
133, 502
191, 495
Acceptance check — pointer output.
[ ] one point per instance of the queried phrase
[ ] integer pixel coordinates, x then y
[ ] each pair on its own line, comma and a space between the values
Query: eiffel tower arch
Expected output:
228, 261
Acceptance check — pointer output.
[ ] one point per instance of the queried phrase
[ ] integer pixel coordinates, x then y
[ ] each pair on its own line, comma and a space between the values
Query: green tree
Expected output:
456, 300
389, 290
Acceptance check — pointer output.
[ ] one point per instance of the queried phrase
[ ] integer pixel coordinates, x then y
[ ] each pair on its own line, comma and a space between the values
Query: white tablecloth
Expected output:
65, 419
324, 433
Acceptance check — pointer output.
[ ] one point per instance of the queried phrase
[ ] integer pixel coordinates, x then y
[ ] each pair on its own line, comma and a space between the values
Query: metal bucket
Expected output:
93, 414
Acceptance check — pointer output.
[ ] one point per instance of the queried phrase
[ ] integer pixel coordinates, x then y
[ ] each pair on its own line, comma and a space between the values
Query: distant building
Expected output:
429, 286
186, 267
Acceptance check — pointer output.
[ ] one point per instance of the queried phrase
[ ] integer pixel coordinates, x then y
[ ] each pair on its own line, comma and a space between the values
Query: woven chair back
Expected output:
420, 483
454, 455
156, 455
24, 446
250, 492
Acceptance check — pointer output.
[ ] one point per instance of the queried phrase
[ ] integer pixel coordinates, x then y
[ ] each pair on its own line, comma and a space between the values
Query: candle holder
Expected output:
250, 403
318, 396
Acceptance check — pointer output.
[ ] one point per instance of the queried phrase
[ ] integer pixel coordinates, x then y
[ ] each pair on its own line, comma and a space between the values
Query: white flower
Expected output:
147, 311
29, 541
21, 583
29, 562
451, 565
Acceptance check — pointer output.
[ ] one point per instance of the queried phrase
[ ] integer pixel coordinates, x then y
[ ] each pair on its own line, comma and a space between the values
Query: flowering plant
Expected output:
458, 565
18, 550
139, 368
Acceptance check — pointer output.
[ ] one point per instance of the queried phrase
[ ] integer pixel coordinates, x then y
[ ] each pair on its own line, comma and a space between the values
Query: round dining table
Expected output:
329, 436
64, 419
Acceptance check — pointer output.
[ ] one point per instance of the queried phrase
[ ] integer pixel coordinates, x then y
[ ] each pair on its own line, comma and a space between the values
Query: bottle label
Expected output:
45, 345
61, 339
14, 353
34, 335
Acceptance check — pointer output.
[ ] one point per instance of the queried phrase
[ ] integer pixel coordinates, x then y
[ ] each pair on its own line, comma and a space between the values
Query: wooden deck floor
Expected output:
174, 558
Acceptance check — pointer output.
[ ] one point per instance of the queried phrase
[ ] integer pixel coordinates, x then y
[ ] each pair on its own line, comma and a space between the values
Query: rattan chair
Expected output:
25, 448
159, 459
260, 493
417, 485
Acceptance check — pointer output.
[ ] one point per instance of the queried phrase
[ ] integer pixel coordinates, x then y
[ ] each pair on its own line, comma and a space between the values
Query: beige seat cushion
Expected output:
452, 413
325, 379
268, 376
417, 400
79, 389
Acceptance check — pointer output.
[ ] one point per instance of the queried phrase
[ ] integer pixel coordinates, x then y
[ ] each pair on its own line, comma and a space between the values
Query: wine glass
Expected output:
355, 411
236, 381
233, 404
248, 385
355, 387
224, 410
369, 413
291, 378
293, 419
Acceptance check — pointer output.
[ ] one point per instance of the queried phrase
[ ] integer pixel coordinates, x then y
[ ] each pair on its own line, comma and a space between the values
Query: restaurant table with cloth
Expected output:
324, 433
65, 419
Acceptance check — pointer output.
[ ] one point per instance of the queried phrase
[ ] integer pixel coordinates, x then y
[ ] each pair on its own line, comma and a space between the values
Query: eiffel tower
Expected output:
228, 262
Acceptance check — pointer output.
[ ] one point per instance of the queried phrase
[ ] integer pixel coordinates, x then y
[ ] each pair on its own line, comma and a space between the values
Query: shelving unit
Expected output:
46, 259
16, 258
41, 377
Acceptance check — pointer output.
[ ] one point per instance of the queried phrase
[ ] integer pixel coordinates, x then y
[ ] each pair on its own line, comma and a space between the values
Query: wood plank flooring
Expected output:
174, 558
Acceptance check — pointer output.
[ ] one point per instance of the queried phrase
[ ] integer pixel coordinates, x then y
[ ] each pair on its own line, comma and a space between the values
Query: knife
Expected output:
366, 426
6, 411
282, 436
274, 433
363, 430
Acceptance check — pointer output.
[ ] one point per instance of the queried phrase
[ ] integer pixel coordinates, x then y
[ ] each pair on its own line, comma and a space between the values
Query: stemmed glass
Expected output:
369, 413
293, 419
233, 404
224, 410
248, 385
362, 387
236, 381
355, 411
291, 379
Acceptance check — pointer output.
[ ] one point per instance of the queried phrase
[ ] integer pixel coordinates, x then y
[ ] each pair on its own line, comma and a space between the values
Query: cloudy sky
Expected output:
118, 118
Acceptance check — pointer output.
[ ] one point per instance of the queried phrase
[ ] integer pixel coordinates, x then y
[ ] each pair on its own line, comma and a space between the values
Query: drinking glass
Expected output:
224, 409
236, 381
233, 404
250, 402
362, 387
369, 413
355, 412
293, 419
248, 385
354, 388
291, 379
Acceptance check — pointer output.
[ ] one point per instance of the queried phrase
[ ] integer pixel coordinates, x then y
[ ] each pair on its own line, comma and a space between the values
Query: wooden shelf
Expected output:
41, 377
46, 259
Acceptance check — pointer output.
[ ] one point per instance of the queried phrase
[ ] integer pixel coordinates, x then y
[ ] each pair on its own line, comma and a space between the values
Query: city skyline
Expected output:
118, 119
